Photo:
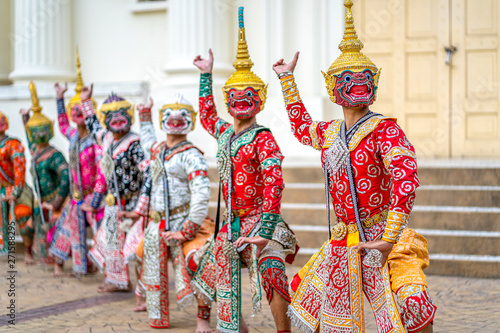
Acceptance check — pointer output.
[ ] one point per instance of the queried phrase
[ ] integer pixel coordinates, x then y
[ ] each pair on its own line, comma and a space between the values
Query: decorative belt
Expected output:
77, 195
238, 212
111, 200
157, 216
49, 197
340, 230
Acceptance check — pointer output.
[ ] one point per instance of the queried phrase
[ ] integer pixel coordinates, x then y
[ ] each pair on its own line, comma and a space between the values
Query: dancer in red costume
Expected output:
371, 172
254, 234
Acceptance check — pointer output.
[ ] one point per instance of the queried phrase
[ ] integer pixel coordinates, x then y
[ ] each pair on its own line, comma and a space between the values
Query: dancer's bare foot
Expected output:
102, 287
59, 270
203, 326
140, 304
244, 327
28, 258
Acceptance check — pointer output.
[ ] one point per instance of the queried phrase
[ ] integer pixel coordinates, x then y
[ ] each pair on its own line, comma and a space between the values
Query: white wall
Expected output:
128, 52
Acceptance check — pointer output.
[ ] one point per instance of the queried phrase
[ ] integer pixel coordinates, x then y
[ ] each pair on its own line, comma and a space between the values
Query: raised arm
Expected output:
307, 131
93, 124
147, 131
209, 119
62, 116
25, 115
400, 160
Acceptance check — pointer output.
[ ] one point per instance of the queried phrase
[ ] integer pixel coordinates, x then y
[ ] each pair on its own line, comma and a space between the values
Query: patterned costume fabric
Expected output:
88, 186
254, 161
13, 164
328, 288
188, 195
114, 246
53, 176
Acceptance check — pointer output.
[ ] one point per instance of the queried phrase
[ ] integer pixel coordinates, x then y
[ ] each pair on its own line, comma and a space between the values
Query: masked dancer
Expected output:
179, 191
50, 174
254, 234
371, 173
87, 184
118, 236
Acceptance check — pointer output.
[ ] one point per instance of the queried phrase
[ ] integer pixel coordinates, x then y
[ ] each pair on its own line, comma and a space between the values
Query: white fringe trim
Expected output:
298, 322
200, 294
119, 285
185, 301
256, 309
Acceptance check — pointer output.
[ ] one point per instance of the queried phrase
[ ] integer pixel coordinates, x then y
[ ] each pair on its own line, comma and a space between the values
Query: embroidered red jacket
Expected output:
255, 160
383, 161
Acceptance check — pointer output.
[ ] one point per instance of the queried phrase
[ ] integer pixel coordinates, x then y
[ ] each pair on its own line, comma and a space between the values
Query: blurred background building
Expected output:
440, 78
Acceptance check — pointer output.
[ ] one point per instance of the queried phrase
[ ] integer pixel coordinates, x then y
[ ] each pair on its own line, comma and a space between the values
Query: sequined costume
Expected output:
12, 183
329, 289
188, 195
50, 174
88, 186
114, 246
249, 166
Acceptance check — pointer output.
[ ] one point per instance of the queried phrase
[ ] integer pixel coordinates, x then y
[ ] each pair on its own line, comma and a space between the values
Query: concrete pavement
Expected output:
47, 304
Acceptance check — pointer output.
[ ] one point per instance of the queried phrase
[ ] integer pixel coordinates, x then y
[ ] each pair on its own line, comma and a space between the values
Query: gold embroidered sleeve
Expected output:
396, 222
315, 139
397, 151
289, 89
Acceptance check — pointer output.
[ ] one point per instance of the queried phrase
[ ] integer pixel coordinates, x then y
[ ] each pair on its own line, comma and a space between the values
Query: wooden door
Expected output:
475, 121
406, 39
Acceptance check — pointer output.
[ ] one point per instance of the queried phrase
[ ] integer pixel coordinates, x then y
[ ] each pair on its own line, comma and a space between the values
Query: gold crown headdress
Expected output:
351, 58
78, 88
180, 103
243, 77
38, 119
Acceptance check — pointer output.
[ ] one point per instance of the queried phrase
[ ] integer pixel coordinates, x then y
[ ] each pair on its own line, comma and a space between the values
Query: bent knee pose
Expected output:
253, 234
50, 174
177, 191
88, 184
119, 235
371, 172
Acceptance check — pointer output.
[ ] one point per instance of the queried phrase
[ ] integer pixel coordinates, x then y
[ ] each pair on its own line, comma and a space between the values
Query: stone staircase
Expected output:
457, 209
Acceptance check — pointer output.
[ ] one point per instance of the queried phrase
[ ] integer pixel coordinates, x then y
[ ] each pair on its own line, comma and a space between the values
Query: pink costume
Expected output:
88, 186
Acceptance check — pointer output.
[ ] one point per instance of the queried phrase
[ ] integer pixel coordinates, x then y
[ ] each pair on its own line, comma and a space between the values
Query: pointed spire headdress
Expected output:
243, 77
38, 119
351, 58
78, 88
